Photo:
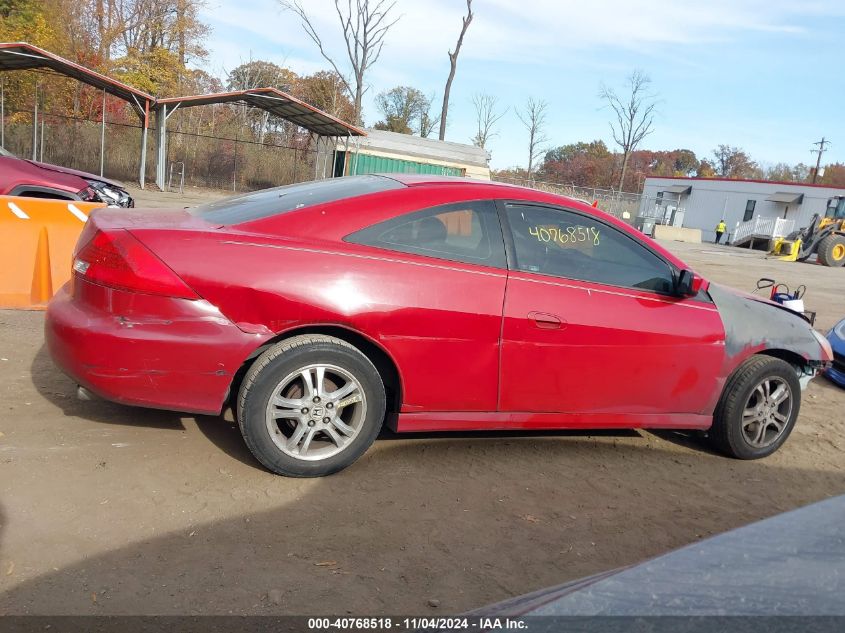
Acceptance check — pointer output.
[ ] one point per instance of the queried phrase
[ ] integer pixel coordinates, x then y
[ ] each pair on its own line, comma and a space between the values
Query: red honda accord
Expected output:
325, 310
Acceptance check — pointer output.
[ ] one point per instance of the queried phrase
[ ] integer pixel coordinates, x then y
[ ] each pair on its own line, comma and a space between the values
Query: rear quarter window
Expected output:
269, 202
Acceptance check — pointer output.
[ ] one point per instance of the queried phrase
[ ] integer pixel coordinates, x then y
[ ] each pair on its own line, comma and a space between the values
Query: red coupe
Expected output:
324, 310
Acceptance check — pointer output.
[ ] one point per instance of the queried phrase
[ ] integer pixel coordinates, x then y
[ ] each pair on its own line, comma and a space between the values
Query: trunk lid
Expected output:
117, 218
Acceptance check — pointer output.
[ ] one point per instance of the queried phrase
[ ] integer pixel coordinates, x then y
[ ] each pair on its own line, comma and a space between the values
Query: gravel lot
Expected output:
113, 510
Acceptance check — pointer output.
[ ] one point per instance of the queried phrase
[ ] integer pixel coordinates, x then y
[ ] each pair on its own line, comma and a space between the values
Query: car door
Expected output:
591, 325
439, 284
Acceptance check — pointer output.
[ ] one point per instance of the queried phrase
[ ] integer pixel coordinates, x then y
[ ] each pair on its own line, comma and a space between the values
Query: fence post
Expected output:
103, 135
235, 166
35, 125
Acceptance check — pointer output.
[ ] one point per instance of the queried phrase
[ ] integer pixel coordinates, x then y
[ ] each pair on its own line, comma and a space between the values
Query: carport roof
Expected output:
786, 197
275, 102
23, 56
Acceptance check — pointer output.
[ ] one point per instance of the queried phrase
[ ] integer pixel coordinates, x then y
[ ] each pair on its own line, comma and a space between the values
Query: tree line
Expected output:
592, 164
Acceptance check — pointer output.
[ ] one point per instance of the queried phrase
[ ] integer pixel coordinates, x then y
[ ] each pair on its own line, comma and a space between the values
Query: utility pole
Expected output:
819, 151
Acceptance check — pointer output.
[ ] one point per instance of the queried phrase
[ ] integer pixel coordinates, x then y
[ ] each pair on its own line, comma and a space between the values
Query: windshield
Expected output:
268, 202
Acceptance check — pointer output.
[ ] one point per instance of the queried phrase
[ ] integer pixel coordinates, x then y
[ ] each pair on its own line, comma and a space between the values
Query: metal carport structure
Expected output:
23, 56
276, 102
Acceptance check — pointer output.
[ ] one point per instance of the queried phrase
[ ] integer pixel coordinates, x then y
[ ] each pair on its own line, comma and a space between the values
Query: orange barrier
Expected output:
37, 238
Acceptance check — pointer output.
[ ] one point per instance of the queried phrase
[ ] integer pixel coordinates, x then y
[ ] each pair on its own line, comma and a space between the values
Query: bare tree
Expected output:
453, 61
533, 117
634, 115
486, 117
364, 24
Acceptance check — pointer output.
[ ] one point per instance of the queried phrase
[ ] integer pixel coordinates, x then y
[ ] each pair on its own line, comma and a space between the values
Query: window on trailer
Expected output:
749, 210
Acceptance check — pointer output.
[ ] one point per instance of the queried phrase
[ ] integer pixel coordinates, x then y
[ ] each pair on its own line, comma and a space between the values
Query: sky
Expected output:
762, 75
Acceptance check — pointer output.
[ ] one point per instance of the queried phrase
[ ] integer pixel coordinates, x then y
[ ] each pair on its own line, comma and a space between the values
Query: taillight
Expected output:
118, 260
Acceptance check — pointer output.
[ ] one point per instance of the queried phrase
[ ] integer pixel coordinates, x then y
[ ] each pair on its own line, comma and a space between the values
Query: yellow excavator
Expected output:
824, 237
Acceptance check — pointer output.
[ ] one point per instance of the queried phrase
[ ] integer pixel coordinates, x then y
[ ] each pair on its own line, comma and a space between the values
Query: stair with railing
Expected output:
760, 228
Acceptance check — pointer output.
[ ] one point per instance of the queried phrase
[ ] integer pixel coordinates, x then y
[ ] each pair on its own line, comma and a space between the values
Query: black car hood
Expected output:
790, 565
753, 323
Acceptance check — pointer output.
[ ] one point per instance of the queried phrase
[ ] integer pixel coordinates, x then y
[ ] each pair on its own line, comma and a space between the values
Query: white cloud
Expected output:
530, 31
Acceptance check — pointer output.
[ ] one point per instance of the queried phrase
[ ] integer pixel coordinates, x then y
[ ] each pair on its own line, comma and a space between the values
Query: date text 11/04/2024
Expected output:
478, 623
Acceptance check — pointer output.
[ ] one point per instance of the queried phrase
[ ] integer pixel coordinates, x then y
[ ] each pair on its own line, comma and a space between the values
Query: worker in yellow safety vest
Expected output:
720, 230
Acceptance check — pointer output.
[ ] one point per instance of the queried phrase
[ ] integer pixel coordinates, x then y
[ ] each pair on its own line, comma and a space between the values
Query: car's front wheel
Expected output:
310, 406
758, 408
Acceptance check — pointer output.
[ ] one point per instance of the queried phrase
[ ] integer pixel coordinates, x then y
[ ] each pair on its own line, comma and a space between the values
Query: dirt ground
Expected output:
191, 196
113, 510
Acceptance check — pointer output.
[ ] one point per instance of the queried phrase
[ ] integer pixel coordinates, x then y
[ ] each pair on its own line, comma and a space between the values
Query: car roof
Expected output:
418, 180
412, 180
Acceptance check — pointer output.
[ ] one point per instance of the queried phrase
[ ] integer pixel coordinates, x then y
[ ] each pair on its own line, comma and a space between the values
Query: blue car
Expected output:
836, 336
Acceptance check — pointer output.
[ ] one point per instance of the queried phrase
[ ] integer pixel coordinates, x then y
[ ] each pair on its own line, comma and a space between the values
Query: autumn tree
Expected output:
583, 164
487, 115
325, 90
834, 175
25, 20
705, 169
364, 24
533, 118
260, 74
405, 110
734, 163
634, 113
453, 67
684, 162
785, 172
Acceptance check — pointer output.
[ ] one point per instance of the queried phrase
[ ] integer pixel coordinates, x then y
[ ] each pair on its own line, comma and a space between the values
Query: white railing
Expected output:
763, 227
783, 227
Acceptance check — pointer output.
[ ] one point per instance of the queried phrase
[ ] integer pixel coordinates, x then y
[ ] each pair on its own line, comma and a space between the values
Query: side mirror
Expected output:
689, 284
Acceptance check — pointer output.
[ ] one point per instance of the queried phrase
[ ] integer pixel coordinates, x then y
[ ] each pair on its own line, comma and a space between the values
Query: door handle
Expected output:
546, 321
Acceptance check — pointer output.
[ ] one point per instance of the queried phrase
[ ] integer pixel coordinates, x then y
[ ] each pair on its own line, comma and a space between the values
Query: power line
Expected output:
821, 150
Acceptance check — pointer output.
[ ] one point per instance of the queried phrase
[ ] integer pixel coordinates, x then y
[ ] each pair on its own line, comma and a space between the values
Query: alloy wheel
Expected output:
316, 412
767, 411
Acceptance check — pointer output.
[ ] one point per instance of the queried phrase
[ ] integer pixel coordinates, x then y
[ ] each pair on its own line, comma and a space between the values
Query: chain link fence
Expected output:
622, 205
193, 159
636, 209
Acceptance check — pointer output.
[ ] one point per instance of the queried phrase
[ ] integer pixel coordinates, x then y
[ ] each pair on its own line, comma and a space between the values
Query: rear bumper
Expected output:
146, 350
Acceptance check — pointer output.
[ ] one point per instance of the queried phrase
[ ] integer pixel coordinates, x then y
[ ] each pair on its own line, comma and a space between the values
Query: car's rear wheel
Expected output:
310, 406
758, 408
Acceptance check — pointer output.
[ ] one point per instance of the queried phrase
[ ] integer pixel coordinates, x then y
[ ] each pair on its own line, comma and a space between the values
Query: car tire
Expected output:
749, 422
832, 250
314, 425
